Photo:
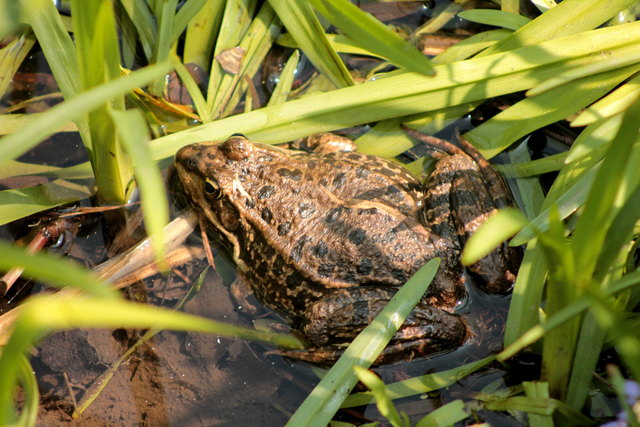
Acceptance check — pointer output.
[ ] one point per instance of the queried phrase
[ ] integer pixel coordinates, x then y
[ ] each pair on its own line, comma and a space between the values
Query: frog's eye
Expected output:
212, 189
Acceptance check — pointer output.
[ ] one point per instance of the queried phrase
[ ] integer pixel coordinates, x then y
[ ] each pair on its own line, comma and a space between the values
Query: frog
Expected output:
325, 235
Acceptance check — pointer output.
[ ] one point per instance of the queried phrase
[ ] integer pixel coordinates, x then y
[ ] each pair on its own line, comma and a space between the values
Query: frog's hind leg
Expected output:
461, 193
340, 315
440, 148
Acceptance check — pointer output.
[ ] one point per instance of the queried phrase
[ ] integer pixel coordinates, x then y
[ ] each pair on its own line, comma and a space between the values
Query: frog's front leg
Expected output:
340, 315
458, 200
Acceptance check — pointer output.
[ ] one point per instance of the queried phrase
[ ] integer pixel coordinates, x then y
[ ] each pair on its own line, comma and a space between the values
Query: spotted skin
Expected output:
309, 229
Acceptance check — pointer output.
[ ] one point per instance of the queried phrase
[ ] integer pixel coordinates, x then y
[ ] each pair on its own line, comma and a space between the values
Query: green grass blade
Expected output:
524, 310
303, 25
470, 46
576, 308
535, 112
21, 202
530, 193
11, 56
383, 402
98, 53
568, 17
621, 58
373, 35
538, 390
42, 314
12, 146
256, 44
616, 102
55, 42
236, 21
10, 123
13, 169
328, 395
165, 16
590, 341
29, 384
283, 88
592, 225
567, 203
419, 385
500, 18
145, 24
59, 50
52, 270
155, 207
499, 227
201, 34
524, 169
182, 18
454, 84
446, 415
190, 84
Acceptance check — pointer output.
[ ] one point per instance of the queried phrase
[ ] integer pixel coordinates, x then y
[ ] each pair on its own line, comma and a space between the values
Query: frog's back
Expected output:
320, 221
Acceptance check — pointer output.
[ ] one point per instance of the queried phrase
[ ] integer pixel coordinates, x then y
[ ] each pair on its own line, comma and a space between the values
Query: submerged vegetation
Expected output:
576, 61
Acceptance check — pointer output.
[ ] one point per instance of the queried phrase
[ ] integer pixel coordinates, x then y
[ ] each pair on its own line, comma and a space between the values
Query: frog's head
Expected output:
209, 174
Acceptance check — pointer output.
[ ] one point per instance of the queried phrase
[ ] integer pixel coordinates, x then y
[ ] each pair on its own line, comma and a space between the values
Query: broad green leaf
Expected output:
500, 18
328, 395
373, 35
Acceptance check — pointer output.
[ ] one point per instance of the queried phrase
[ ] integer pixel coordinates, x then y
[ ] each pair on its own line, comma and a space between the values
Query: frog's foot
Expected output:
323, 143
338, 317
